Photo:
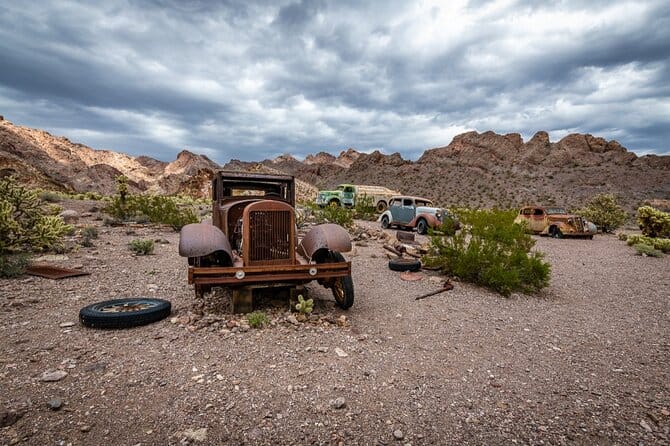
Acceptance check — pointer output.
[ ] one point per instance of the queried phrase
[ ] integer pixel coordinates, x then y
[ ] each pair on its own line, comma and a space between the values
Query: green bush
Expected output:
13, 265
49, 196
141, 247
647, 250
151, 208
604, 212
662, 244
490, 250
24, 226
89, 232
257, 319
335, 214
653, 223
364, 209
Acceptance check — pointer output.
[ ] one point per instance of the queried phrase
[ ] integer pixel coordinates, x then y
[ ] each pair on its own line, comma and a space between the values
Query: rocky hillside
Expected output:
487, 169
40, 159
475, 169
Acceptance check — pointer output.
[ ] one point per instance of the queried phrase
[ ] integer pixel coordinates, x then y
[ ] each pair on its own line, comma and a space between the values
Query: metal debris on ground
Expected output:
446, 286
53, 272
410, 276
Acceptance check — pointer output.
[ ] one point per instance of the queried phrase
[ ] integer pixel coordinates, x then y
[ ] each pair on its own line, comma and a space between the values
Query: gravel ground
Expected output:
587, 361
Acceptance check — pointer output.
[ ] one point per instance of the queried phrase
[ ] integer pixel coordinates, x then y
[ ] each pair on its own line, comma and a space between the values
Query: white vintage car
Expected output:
409, 212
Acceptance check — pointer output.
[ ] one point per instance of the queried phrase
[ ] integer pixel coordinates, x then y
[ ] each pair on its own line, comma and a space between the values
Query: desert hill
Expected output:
475, 169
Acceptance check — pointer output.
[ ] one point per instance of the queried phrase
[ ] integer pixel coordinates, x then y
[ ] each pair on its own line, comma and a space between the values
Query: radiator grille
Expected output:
269, 236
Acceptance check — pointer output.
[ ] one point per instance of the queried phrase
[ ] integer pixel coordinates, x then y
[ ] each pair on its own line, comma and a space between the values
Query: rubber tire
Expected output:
556, 233
385, 222
381, 206
422, 227
334, 203
405, 264
347, 285
92, 316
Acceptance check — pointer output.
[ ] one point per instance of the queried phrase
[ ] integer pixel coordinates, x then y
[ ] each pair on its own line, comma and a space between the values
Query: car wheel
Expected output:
556, 233
343, 287
381, 206
405, 264
385, 222
124, 313
422, 227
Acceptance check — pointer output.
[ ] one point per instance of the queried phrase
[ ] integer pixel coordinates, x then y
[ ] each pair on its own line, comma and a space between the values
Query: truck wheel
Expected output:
385, 222
124, 313
343, 287
381, 206
422, 227
334, 203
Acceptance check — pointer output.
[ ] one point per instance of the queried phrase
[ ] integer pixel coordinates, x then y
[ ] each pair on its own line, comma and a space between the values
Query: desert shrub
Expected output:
23, 223
141, 247
13, 265
151, 208
335, 214
89, 231
49, 196
647, 250
364, 209
623, 236
604, 212
662, 244
653, 223
492, 251
257, 319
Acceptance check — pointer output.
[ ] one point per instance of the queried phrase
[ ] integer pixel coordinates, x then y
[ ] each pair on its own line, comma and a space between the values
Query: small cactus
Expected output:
304, 306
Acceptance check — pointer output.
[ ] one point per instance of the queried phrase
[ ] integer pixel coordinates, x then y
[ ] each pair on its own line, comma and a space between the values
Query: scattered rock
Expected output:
398, 435
646, 426
292, 319
197, 435
9, 417
341, 353
66, 324
55, 403
53, 375
338, 403
69, 216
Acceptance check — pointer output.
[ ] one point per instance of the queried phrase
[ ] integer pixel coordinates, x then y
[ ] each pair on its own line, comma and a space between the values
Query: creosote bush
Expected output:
662, 244
646, 250
149, 208
653, 223
13, 265
335, 214
492, 251
364, 209
604, 212
141, 247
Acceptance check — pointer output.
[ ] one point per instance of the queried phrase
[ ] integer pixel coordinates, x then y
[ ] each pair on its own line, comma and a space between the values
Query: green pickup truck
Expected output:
346, 195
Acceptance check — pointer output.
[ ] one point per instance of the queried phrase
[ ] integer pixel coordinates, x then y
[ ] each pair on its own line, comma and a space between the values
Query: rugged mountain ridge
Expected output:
475, 169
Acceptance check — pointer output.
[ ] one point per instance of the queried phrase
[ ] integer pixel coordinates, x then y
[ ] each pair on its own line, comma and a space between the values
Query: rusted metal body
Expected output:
554, 221
252, 238
409, 212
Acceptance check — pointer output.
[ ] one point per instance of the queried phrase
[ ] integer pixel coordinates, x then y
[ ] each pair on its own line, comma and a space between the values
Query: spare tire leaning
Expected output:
402, 264
124, 313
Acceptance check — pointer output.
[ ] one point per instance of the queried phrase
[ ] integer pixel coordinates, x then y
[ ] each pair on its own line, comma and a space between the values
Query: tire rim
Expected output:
127, 307
338, 290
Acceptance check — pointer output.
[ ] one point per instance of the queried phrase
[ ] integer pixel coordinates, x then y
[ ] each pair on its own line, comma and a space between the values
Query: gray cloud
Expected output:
252, 80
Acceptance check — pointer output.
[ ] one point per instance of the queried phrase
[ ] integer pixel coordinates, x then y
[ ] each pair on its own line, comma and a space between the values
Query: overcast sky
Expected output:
252, 80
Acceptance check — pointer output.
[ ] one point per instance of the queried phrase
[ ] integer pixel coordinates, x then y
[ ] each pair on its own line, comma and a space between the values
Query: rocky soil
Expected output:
587, 361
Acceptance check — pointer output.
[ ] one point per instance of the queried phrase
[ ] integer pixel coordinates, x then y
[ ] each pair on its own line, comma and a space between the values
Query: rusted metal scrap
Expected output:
446, 286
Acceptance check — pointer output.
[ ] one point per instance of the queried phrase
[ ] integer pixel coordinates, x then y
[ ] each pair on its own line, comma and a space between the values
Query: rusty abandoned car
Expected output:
252, 243
555, 222
408, 212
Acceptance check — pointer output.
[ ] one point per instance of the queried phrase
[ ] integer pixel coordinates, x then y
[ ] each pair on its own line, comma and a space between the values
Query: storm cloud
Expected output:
253, 80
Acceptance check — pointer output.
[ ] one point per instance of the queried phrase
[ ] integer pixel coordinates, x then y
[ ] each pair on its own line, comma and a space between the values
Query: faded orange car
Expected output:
555, 222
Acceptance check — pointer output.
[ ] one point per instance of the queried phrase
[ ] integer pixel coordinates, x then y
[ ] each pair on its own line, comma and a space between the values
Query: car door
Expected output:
405, 211
537, 220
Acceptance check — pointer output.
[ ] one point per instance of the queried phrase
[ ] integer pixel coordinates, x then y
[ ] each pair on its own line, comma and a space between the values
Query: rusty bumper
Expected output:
245, 275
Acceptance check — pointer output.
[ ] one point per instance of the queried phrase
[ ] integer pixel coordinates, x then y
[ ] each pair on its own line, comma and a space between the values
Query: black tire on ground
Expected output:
422, 227
385, 222
343, 287
124, 313
381, 206
405, 264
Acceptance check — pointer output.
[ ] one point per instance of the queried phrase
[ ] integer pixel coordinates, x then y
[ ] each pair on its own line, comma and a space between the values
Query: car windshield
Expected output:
551, 211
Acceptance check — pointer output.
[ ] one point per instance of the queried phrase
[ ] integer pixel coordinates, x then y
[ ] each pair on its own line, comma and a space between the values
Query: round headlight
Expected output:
313, 271
239, 275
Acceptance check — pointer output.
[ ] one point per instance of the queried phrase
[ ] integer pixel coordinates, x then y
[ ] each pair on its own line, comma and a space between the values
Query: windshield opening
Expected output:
555, 211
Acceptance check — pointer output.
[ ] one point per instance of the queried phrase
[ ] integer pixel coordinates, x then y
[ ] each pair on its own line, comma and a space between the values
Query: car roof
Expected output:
413, 197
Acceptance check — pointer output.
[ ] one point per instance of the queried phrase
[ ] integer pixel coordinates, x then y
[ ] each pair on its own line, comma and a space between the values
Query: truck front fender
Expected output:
199, 240
328, 237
